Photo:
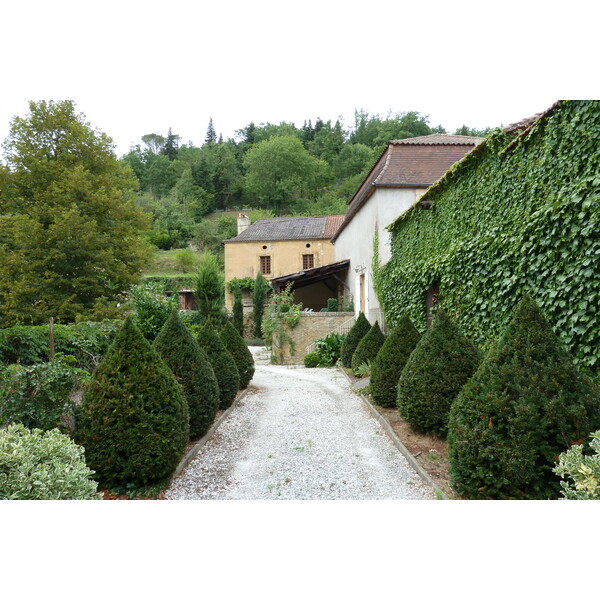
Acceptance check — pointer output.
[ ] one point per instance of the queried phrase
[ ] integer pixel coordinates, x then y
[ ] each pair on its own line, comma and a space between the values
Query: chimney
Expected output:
243, 221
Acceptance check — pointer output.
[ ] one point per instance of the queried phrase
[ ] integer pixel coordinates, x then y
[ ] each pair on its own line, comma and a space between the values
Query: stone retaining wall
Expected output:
312, 326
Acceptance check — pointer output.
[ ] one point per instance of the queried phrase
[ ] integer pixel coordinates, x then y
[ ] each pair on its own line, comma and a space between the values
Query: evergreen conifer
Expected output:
133, 420
434, 374
525, 404
192, 369
368, 347
389, 362
222, 363
238, 311
356, 333
236, 346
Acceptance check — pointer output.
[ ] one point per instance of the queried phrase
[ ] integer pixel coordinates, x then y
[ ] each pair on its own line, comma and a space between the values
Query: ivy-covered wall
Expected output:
519, 215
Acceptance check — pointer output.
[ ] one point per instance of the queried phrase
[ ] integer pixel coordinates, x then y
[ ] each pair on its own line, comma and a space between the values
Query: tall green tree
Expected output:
171, 147
211, 134
210, 290
280, 169
70, 240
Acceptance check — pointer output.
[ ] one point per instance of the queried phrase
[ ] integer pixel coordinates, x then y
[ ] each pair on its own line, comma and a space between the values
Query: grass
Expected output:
164, 262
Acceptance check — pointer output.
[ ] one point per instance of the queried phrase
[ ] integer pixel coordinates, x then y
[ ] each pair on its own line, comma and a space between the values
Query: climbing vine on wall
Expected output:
519, 215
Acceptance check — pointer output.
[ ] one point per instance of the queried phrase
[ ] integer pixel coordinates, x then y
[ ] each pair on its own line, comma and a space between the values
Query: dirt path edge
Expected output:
414, 463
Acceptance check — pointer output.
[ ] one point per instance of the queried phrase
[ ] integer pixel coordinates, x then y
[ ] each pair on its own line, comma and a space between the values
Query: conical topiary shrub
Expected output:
368, 347
525, 405
244, 362
389, 362
192, 369
133, 420
435, 372
222, 363
356, 333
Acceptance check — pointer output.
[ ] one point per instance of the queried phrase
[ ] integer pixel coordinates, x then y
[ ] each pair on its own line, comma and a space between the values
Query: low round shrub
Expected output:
311, 360
368, 347
525, 404
222, 363
192, 369
332, 305
356, 333
133, 420
434, 374
389, 362
236, 346
38, 465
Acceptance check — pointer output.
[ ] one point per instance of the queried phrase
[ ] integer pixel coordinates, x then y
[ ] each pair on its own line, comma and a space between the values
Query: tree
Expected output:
133, 420
259, 297
211, 134
356, 333
244, 361
192, 369
154, 142
70, 231
238, 311
525, 404
210, 289
388, 365
222, 363
280, 169
171, 146
368, 347
441, 363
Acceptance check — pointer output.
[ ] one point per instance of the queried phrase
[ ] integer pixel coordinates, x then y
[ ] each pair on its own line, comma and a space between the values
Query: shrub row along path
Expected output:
299, 434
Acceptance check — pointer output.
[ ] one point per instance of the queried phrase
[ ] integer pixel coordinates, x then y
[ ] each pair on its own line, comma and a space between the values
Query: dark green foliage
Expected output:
222, 363
192, 369
329, 348
332, 305
311, 360
435, 372
356, 333
238, 311
152, 307
368, 347
389, 362
30, 344
530, 226
210, 290
244, 362
259, 297
133, 420
39, 396
525, 404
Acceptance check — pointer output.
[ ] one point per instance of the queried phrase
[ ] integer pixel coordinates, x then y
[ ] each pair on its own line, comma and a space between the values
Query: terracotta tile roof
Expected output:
413, 162
289, 228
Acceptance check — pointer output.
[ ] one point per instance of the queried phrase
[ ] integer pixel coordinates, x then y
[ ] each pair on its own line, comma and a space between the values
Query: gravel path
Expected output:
299, 434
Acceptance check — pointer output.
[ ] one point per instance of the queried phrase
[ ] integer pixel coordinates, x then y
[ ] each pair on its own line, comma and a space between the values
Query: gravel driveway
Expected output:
299, 434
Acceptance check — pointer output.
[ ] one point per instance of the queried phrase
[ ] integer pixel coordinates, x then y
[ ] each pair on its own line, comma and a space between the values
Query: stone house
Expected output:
395, 183
287, 249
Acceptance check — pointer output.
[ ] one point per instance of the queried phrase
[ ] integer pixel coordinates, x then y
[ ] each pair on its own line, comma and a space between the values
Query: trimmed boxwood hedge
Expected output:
192, 369
222, 363
368, 347
133, 420
525, 405
356, 333
389, 362
244, 362
434, 374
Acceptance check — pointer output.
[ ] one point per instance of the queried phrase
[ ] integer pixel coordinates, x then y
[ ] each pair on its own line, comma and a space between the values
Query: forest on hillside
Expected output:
267, 169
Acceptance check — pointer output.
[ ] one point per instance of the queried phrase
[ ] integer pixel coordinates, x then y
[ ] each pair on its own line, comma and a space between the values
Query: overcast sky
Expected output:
136, 67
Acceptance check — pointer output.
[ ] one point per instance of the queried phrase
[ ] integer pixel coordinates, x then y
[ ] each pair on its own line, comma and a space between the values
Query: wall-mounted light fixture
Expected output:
358, 268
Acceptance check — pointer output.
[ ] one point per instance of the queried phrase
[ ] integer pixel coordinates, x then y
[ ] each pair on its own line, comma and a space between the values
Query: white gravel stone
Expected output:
301, 434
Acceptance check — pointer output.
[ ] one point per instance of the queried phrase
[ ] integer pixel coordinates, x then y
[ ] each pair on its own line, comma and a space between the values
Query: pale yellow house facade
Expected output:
282, 246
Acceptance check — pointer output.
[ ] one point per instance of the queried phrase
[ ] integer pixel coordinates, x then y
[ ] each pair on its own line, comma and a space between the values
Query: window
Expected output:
265, 265
308, 261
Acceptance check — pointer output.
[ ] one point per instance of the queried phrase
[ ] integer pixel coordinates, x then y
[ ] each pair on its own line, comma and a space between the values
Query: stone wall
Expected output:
312, 326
